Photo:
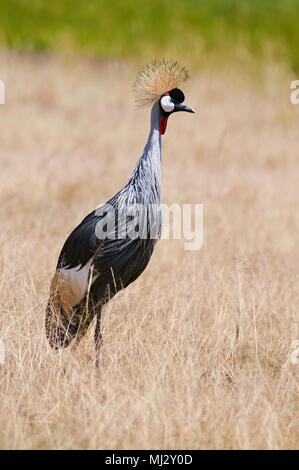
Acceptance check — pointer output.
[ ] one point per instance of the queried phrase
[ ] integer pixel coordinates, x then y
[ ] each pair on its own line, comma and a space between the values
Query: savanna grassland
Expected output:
197, 352
131, 29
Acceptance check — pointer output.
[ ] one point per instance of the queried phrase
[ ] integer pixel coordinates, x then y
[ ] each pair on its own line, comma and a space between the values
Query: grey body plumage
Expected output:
115, 262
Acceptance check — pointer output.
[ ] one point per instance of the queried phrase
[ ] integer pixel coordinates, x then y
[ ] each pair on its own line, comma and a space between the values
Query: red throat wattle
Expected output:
163, 124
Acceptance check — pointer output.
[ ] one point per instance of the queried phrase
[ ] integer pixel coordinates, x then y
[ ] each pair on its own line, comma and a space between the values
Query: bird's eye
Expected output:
167, 104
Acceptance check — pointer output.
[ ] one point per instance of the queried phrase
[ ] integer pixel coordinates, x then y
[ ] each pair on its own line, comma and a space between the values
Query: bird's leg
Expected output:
98, 339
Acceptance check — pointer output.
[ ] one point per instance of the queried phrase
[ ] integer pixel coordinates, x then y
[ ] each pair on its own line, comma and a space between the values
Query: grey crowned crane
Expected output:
109, 249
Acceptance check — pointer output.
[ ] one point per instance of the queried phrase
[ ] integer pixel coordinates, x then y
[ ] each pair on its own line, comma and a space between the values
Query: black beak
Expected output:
183, 107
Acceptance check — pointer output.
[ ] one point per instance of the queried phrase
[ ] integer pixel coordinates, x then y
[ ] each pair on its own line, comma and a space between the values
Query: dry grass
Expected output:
173, 373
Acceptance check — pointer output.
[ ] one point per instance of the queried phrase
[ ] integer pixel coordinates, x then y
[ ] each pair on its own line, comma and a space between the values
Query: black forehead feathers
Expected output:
177, 95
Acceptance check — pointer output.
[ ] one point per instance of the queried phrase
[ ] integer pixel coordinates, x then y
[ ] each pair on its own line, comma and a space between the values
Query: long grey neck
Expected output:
147, 174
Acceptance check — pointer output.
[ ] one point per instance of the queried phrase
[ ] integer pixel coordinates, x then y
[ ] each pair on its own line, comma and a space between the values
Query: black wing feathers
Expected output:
81, 244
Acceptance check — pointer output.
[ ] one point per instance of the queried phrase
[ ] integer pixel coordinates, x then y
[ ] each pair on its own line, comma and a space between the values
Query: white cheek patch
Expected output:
167, 104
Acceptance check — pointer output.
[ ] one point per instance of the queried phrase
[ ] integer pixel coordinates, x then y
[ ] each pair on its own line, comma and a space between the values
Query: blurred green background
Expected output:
137, 29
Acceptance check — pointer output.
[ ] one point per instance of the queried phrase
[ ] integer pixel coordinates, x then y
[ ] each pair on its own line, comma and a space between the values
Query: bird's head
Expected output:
151, 85
171, 102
